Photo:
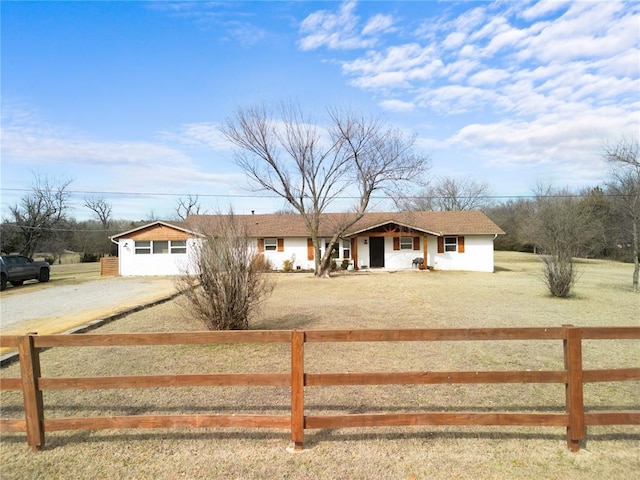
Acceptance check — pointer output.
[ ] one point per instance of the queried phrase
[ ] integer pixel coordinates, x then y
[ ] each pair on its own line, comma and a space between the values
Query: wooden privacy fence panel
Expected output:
109, 266
574, 418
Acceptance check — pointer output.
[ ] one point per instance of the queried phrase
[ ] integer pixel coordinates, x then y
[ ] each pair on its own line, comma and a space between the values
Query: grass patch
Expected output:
513, 296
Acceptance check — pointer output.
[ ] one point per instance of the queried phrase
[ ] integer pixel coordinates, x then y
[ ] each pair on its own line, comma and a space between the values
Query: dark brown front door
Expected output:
376, 252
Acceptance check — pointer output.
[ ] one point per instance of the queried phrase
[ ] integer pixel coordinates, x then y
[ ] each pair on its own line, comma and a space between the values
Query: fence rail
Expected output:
574, 418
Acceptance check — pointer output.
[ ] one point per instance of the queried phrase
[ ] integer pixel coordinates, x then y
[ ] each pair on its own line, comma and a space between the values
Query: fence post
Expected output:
574, 386
297, 389
31, 394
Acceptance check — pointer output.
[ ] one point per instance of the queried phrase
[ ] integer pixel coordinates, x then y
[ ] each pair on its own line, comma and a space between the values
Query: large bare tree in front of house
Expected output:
310, 166
625, 188
449, 194
40, 213
230, 278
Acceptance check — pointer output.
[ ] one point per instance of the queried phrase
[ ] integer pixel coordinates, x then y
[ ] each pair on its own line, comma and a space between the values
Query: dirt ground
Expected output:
75, 296
513, 296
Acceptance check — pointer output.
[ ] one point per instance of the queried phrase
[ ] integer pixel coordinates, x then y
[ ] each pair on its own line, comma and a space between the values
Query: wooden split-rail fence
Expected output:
574, 418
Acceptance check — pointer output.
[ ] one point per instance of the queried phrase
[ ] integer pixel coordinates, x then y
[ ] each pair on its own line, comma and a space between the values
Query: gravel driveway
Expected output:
88, 298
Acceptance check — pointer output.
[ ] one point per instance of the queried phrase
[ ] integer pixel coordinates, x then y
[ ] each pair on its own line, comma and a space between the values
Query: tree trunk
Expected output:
323, 268
636, 255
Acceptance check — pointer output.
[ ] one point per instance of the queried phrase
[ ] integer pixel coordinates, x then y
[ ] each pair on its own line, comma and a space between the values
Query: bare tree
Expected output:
448, 194
511, 215
560, 227
101, 208
230, 281
188, 206
39, 213
310, 167
625, 186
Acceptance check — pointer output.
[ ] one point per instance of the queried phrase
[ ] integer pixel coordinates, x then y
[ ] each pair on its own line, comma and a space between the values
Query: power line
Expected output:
345, 197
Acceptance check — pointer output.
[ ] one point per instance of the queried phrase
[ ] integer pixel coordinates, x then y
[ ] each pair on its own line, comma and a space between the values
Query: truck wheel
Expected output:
3, 282
17, 283
44, 275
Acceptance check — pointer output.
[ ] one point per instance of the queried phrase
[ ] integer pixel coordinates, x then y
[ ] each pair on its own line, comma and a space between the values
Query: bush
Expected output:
287, 265
229, 282
559, 274
89, 258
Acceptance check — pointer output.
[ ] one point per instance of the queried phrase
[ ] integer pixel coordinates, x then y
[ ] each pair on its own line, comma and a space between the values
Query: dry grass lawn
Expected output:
513, 296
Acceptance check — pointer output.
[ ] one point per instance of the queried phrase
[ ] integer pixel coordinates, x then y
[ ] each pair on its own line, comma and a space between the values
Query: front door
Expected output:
376, 252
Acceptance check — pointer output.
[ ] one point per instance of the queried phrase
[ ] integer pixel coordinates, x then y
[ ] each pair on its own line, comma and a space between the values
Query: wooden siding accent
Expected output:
310, 249
159, 232
261, 245
440, 244
109, 266
396, 243
460, 244
416, 243
281, 244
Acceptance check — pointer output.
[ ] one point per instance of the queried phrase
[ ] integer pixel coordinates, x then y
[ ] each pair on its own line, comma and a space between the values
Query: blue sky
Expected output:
125, 98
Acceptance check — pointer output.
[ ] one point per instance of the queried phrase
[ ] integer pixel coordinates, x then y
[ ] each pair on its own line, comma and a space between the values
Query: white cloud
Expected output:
199, 135
395, 67
489, 77
335, 31
543, 8
546, 76
454, 40
397, 105
378, 23
43, 146
340, 31
585, 30
568, 137
455, 99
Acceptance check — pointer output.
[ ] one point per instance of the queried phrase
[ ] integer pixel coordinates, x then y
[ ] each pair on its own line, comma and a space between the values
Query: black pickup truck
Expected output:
15, 269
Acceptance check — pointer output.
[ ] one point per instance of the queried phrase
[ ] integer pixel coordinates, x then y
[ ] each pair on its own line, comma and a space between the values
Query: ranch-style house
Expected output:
460, 240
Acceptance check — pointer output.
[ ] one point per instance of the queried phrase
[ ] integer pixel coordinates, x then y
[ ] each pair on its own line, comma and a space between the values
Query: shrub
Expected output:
559, 274
229, 282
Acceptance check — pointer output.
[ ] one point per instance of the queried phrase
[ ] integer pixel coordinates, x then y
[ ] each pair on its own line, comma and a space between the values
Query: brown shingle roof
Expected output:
292, 225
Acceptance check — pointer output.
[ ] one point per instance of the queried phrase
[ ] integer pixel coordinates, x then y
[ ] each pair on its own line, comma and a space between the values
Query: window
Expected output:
178, 246
406, 243
160, 246
450, 244
271, 244
335, 253
143, 247
346, 249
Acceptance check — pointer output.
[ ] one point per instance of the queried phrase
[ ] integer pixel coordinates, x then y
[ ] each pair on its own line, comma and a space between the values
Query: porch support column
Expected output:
354, 252
425, 249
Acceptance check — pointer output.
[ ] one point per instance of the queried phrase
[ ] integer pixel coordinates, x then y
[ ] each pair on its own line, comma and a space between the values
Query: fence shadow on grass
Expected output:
315, 437
71, 438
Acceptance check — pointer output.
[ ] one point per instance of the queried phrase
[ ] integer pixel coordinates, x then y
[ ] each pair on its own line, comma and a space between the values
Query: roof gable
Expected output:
152, 230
